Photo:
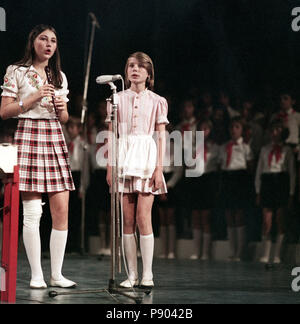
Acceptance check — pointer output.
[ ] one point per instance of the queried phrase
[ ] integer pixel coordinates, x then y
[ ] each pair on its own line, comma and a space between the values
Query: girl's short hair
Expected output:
285, 131
237, 120
146, 62
207, 122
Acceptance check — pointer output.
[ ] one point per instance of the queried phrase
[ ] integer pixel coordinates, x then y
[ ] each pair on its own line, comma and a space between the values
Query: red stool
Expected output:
8, 274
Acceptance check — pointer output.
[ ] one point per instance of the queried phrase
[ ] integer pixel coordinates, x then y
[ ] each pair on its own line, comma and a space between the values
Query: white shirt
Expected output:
293, 122
212, 157
76, 154
241, 154
21, 82
285, 164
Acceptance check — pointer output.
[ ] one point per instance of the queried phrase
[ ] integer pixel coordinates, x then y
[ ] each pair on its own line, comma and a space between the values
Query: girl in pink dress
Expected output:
141, 113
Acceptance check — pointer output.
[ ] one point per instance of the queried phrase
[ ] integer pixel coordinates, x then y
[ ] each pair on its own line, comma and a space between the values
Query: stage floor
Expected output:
177, 282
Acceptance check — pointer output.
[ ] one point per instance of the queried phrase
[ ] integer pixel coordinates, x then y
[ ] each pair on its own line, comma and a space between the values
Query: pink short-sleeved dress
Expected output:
138, 115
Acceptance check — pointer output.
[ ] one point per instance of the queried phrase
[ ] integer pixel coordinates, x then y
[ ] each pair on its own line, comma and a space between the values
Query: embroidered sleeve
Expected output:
10, 85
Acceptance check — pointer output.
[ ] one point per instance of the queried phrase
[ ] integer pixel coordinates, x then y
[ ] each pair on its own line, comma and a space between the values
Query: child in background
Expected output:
167, 203
203, 192
289, 117
224, 100
188, 117
275, 187
100, 197
235, 158
76, 154
221, 122
254, 135
188, 124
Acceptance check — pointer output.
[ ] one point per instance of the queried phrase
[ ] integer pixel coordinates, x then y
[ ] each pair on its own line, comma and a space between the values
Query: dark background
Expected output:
239, 45
243, 46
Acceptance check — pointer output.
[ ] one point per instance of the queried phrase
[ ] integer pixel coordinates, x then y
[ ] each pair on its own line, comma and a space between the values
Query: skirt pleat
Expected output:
43, 157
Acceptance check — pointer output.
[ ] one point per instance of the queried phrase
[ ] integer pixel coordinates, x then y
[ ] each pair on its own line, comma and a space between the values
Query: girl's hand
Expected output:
60, 105
157, 180
46, 90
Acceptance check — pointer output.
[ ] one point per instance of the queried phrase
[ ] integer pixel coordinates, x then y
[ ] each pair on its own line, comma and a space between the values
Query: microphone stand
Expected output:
95, 24
113, 288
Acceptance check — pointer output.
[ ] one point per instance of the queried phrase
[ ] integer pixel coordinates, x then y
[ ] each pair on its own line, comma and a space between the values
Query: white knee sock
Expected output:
266, 247
147, 250
232, 240
58, 241
278, 246
197, 237
241, 240
164, 239
131, 255
32, 210
206, 245
172, 238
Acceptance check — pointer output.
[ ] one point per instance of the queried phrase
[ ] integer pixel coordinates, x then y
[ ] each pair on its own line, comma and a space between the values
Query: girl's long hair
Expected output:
145, 61
29, 56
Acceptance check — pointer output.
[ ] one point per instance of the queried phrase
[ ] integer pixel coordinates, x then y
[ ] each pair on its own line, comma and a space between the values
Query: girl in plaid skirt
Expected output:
42, 152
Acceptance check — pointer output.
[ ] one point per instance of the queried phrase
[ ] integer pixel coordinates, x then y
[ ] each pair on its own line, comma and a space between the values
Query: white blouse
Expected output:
241, 154
21, 82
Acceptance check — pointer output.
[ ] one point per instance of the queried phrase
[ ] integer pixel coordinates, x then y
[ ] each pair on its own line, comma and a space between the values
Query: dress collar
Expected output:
138, 94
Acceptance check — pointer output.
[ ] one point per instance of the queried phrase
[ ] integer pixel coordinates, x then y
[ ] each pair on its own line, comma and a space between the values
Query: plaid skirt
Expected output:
43, 157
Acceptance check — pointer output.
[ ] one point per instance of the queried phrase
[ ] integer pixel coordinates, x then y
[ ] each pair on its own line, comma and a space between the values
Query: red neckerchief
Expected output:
277, 151
283, 115
229, 149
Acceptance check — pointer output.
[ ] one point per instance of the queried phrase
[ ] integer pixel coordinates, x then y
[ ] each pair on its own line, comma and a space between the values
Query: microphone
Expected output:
95, 20
105, 79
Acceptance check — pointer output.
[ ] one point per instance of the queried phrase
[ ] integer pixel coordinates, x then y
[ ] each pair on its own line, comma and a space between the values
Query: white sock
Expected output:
197, 236
241, 240
172, 238
164, 239
147, 250
58, 241
32, 210
131, 255
278, 245
206, 244
266, 246
32, 243
232, 239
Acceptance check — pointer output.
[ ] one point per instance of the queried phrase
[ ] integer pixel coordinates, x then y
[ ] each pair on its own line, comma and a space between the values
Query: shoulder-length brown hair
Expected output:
29, 56
145, 61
